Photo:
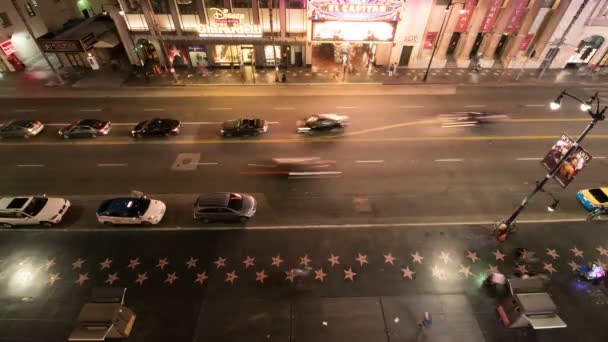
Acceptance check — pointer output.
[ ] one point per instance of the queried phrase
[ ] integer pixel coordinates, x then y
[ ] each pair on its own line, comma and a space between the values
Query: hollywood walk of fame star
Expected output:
577, 252
231, 277
362, 259
50, 263
389, 259
601, 264
445, 257
78, 263
600, 249
334, 260
112, 278
407, 273
191, 263
162, 262
499, 255
201, 277
526, 253
349, 274
133, 263
171, 277
465, 270
53, 278
549, 267
438, 273
320, 275
249, 262
260, 276
417, 257
305, 260
521, 268
493, 269
82, 278
276, 261
552, 253
220, 262
290, 275
473, 256
141, 277
574, 266
105, 264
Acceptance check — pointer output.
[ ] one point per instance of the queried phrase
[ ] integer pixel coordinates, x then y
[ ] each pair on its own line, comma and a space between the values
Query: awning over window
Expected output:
546, 322
107, 40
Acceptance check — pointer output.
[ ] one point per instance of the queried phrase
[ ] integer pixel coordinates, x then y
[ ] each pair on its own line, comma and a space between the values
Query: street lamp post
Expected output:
447, 15
597, 115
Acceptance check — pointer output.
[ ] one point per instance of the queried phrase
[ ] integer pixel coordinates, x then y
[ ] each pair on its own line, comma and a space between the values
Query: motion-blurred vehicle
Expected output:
157, 128
131, 210
20, 129
468, 119
591, 272
87, 128
31, 210
592, 199
224, 206
322, 123
306, 167
243, 128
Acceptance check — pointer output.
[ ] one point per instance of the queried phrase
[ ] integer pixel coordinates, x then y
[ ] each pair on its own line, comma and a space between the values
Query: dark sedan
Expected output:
157, 128
243, 128
323, 123
87, 128
21, 129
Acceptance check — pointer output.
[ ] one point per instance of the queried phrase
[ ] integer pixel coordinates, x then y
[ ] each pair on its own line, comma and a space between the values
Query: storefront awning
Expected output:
107, 41
546, 322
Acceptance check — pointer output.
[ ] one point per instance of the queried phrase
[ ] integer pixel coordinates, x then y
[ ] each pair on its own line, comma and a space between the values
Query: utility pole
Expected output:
562, 39
274, 51
29, 30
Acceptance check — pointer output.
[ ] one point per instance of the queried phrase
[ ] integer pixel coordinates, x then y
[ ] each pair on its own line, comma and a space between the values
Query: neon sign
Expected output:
355, 10
7, 47
227, 23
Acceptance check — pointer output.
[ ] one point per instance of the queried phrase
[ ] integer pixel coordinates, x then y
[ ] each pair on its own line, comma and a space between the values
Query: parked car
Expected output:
157, 128
21, 129
591, 199
224, 206
322, 123
86, 128
32, 210
131, 210
243, 127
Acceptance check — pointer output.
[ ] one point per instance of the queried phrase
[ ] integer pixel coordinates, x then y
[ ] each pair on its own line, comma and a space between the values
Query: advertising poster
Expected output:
491, 16
430, 40
575, 163
465, 16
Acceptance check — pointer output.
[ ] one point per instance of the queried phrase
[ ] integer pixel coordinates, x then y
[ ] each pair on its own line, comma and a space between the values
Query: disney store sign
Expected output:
229, 24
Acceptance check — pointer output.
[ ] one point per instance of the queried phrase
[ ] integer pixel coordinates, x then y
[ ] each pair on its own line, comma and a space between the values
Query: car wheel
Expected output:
7, 225
255, 134
139, 135
93, 136
109, 224
146, 223
243, 219
66, 136
227, 134
27, 136
205, 220
46, 224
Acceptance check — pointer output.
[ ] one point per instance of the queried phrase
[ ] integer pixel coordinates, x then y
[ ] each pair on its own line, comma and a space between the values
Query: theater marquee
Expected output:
355, 10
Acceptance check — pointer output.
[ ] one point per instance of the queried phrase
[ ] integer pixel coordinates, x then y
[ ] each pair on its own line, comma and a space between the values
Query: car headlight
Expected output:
152, 217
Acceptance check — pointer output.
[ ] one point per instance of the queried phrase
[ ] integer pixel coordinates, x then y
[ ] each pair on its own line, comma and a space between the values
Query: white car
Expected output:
31, 210
131, 210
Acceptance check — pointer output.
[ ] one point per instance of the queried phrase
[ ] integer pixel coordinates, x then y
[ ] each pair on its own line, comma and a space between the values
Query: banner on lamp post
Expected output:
465, 17
526, 42
574, 164
517, 15
491, 16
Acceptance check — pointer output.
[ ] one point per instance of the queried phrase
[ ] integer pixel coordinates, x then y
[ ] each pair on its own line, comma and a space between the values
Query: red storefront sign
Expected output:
465, 17
515, 19
7, 47
526, 42
491, 16
429, 40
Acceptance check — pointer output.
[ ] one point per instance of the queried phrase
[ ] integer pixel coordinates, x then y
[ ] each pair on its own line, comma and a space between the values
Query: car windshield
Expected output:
36, 204
25, 123
599, 195
235, 202
92, 123
134, 207
312, 119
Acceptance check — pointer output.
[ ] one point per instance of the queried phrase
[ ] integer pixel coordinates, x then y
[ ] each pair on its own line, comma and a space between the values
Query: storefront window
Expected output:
270, 55
265, 3
214, 3
185, 7
160, 6
242, 3
227, 54
297, 4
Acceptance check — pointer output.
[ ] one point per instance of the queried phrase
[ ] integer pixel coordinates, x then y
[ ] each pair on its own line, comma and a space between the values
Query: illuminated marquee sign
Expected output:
7, 47
226, 23
355, 10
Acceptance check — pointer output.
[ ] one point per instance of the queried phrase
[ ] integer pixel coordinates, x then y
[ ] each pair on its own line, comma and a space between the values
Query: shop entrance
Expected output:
453, 43
342, 56
476, 46
500, 48
404, 60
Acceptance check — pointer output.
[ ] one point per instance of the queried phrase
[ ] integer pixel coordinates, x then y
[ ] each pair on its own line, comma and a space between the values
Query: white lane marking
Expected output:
153, 109
449, 160
346, 107
261, 165
369, 161
56, 124
283, 108
26, 110
111, 165
529, 158
30, 165
599, 157
219, 108
91, 110
474, 106
411, 106
202, 164
272, 122
536, 105
124, 123
281, 227
201, 123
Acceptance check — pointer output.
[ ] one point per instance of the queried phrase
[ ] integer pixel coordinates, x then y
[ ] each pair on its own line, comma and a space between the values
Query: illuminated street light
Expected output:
555, 105
553, 206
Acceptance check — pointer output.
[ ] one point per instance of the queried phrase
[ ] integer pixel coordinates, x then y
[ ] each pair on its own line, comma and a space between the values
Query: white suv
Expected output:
47, 211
